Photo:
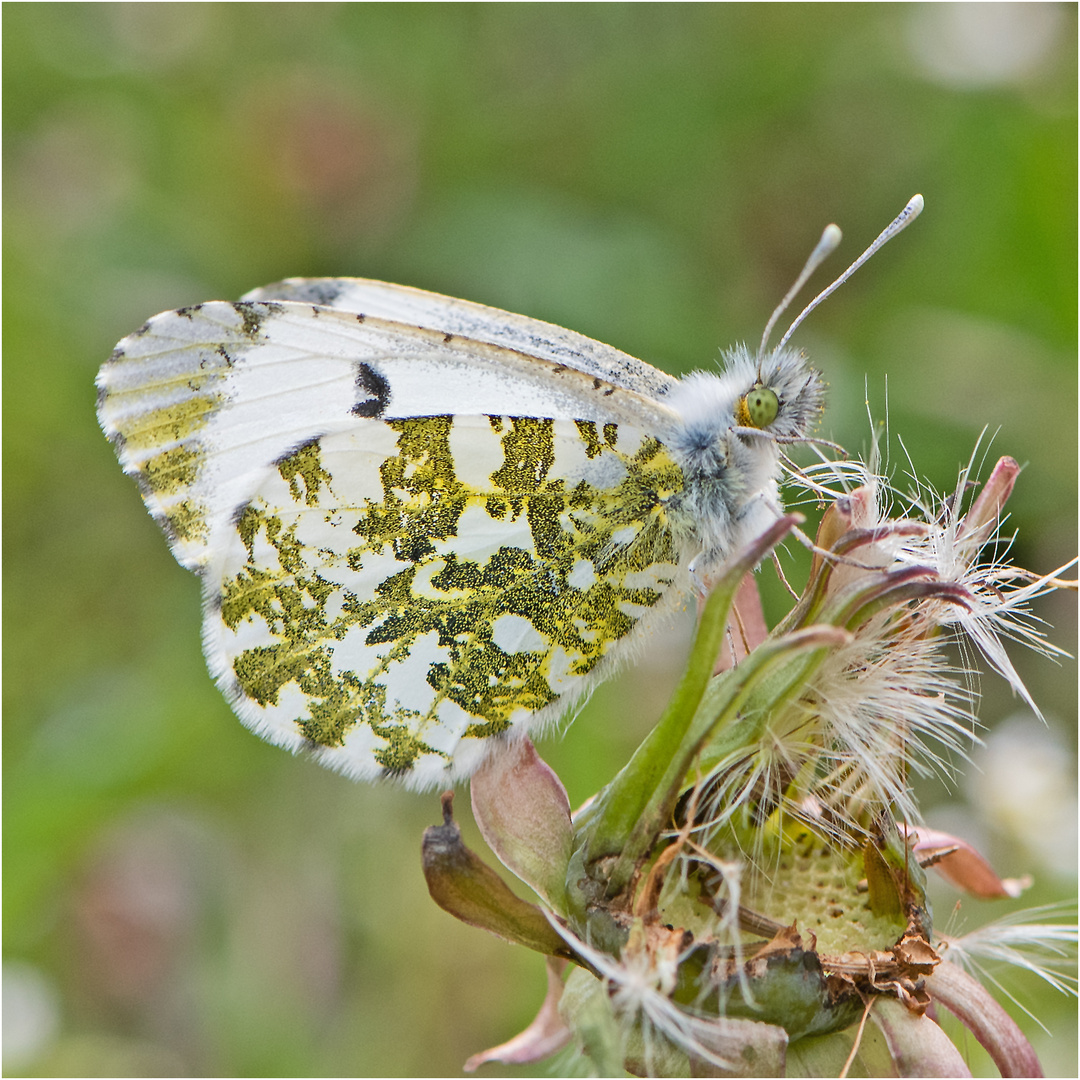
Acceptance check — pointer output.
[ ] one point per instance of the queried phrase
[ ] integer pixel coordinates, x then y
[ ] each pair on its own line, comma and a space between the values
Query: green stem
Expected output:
620, 807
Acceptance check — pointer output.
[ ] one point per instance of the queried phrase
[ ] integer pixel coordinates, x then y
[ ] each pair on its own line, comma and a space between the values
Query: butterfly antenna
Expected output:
830, 240
901, 222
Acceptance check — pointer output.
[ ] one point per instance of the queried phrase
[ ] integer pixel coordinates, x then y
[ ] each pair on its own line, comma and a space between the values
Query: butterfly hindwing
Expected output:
397, 595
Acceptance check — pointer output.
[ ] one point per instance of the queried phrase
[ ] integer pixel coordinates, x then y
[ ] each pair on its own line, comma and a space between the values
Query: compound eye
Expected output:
760, 407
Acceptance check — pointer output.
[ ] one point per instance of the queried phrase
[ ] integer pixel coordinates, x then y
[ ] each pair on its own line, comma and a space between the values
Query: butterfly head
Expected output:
785, 398
778, 394
786, 394
751, 406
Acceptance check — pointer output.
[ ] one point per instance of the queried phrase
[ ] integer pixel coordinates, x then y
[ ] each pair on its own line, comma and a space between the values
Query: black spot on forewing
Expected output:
373, 392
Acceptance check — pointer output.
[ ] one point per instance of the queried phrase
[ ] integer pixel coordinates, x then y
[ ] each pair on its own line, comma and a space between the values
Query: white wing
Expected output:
410, 542
200, 401
398, 596
416, 307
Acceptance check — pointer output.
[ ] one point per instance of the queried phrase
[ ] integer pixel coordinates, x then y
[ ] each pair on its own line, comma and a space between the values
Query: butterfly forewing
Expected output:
417, 307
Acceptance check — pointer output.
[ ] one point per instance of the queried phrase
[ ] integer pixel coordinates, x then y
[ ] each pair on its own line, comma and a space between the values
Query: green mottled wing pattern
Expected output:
397, 595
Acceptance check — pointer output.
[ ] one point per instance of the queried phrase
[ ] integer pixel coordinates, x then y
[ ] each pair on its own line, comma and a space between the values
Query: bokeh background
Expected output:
181, 899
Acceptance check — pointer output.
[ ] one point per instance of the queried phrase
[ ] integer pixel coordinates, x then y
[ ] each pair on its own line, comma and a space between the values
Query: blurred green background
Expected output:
181, 898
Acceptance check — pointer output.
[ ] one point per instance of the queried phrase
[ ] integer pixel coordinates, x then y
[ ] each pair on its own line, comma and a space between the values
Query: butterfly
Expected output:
424, 525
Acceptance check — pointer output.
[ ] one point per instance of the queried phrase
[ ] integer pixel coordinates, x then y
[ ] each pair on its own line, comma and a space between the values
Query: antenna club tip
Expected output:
898, 224
831, 237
